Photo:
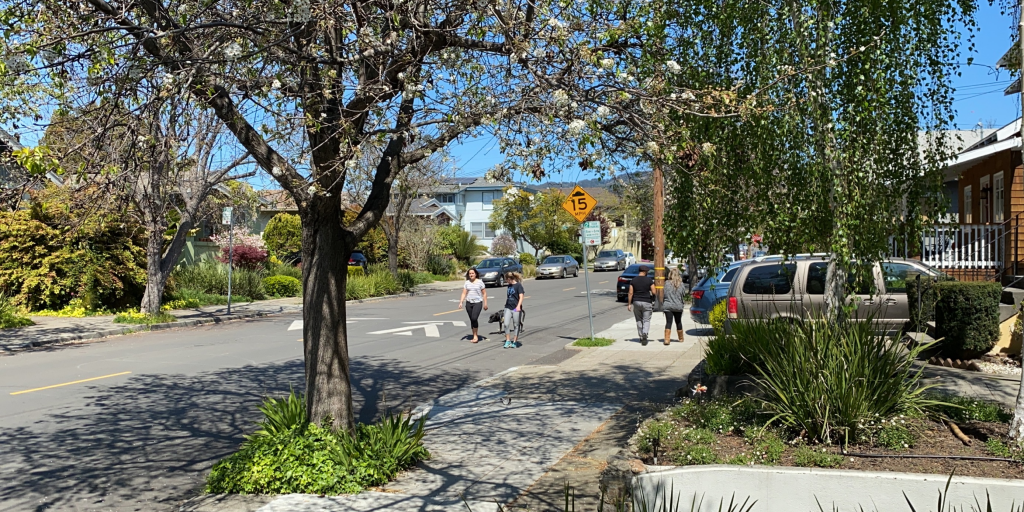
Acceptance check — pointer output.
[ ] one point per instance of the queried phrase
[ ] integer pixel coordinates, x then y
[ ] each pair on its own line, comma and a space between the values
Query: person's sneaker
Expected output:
506, 344
643, 340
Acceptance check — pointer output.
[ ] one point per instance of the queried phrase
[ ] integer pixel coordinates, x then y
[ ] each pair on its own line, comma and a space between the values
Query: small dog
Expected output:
499, 317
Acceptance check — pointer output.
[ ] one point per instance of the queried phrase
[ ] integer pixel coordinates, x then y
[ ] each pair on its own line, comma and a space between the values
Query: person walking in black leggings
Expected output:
474, 295
673, 304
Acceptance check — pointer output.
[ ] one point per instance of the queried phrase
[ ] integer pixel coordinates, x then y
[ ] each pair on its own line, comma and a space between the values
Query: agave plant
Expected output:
281, 415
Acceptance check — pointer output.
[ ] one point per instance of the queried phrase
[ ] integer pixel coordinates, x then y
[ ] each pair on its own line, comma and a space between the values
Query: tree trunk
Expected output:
392, 236
325, 252
156, 279
160, 264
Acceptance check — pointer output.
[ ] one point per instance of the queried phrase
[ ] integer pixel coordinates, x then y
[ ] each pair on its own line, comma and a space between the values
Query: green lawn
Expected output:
593, 342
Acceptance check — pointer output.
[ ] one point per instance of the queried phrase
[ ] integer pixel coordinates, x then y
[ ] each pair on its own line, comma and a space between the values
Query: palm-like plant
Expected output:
466, 248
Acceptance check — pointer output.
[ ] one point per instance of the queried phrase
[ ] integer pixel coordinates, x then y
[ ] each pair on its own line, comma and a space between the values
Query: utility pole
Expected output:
1017, 423
659, 231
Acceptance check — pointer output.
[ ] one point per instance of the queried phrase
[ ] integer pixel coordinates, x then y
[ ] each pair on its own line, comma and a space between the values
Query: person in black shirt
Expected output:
513, 307
641, 302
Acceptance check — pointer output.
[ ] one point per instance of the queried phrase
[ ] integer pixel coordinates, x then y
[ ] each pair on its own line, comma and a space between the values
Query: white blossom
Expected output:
276, 170
16, 64
276, 84
576, 126
652, 147
673, 66
707, 147
688, 95
350, 163
232, 51
561, 97
311, 190
603, 111
607, 63
553, 23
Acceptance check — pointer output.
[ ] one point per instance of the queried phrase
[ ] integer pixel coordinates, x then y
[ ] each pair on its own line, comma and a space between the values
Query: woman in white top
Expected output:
474, 295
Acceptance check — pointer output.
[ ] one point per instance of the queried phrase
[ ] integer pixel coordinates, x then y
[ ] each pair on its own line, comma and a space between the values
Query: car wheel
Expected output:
501, 281
563, 273
576, 272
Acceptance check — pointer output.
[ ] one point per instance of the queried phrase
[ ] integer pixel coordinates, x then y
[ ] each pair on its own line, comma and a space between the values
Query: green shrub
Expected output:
211, 277
967, 317
181, 304
697, 436
285, 269
652, 434
446, 238
722, 415
830, 378
808, 457
9, 316
896, 437
717, 316
766, 446
527, 259
312, 459
282, 286
465, 248
696, 454
963, 409
529, 271
440, 264
135, 317
283, 234
728, 355
929, 297
281, 415
356, 271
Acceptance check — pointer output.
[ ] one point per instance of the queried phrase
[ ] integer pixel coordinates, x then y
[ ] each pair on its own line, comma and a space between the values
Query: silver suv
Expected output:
796, 289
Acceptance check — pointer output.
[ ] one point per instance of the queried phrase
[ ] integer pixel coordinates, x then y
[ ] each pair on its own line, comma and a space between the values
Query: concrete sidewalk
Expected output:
505, 440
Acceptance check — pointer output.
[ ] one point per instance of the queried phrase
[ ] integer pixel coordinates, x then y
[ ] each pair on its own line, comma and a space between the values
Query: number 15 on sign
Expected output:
579, 203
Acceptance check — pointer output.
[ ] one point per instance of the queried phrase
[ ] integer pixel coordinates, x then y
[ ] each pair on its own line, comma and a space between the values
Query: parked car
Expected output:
795, 288
612, 259
558, 266
622, 286
630, 259
357, 259
711, 290
492, 270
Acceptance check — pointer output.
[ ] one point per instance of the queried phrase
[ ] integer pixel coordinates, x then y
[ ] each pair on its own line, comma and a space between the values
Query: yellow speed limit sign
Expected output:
579, 203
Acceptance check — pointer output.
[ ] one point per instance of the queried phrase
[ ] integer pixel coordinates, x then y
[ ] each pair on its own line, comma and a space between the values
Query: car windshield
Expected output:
554, 259
489, 264
606, 254
632, 269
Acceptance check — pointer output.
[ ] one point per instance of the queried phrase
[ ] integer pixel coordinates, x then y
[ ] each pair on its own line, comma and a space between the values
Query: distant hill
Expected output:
591, 183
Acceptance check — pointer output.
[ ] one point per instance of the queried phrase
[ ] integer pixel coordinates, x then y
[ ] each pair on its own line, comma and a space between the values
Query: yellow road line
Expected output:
447, 312
70, 383
567, 289
602, 282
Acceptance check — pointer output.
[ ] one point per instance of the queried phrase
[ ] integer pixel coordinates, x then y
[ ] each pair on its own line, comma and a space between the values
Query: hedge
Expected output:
928, 299
282, 286
967, 316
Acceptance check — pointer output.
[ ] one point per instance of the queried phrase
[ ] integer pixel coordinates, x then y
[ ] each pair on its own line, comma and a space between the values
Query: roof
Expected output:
988, 143
429, 208
276, 200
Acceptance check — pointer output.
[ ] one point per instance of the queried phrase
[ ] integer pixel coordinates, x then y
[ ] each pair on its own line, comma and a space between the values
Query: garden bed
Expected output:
731, 431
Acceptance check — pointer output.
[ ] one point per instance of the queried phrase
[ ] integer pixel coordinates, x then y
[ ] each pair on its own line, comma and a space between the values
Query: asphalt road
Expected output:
135, 422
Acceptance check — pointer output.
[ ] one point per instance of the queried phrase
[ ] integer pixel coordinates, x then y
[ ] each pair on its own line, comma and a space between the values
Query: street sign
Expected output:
579, 203
225, 215
756, 239
592, 232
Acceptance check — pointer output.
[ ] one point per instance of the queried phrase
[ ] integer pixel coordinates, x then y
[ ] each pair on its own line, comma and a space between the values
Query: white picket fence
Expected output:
963, 246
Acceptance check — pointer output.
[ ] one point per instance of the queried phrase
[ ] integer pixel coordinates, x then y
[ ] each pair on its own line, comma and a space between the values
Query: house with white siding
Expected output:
470, 202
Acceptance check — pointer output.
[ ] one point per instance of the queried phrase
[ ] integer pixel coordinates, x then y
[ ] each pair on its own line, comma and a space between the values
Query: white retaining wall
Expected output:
785, 489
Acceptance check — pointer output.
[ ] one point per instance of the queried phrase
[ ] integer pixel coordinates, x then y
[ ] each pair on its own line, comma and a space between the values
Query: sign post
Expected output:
579, 204
591, 236
227, 218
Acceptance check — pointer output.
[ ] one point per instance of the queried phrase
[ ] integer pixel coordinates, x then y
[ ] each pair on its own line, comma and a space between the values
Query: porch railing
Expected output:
964, 246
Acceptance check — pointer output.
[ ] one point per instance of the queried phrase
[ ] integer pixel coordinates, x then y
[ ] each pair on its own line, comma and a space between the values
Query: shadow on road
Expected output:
148, 444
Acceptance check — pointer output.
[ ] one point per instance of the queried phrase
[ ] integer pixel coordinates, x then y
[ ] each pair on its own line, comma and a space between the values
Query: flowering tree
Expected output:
503, 245
307, 86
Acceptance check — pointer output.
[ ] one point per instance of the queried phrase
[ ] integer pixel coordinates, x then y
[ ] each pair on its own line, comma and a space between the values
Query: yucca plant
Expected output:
828, 378
282, 414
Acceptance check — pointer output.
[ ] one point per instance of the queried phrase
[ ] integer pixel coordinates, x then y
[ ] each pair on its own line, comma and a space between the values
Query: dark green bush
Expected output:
193, 299
929, 297
440, 264
287, 455
283, 235
282, 286
527, 259
830, 378
9, 316
211, 277
967, 317
286, 269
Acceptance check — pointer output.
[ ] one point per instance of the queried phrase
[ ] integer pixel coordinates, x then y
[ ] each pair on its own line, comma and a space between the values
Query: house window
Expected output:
986, 200
481, 230
446, 198
488, 197
968, 205
998, 198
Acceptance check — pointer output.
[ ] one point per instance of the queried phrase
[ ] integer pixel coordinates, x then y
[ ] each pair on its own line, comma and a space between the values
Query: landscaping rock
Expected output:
637, 466
618, 474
